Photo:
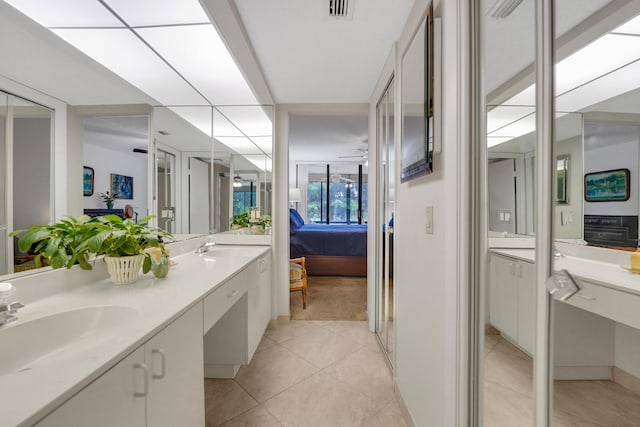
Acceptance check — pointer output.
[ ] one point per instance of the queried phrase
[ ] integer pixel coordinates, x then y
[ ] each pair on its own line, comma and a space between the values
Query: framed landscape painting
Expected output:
607, 186
87, 181
122, 185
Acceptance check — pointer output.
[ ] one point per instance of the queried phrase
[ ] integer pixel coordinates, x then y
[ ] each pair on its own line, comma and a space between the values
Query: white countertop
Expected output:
601, 273
31, 394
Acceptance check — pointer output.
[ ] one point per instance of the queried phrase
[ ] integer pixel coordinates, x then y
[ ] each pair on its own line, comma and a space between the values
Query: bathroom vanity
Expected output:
93, 353
588, 326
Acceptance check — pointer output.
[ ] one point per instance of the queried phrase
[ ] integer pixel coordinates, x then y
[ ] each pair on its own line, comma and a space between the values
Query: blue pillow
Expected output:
295, 221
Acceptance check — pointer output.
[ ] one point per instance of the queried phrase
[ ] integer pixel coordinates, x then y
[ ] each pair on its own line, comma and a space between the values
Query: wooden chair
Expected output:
298, 278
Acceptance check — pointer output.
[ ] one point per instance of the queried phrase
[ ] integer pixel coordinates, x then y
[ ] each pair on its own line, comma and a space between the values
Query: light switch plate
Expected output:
429, 220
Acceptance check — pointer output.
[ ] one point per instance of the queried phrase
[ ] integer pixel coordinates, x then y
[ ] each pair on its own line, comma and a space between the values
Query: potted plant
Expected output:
62, 244
123, 243
71, 240
240, 221
108, 199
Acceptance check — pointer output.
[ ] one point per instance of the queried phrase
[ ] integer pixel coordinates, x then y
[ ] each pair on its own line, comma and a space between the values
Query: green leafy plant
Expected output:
264, 221
240, 221
74, 240
61, 244
108, 199
118, 238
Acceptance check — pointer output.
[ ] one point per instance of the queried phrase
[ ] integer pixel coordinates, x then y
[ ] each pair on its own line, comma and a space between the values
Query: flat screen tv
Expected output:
417, 104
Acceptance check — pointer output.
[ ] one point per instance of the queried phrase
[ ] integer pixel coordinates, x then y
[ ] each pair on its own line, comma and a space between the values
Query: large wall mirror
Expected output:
167, 148
25, 184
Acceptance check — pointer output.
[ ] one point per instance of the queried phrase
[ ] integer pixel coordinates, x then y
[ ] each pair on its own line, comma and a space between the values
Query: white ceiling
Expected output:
308, 57
327, 138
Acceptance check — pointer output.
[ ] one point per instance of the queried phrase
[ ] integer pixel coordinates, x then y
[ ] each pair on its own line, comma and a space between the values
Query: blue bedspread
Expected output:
329, 239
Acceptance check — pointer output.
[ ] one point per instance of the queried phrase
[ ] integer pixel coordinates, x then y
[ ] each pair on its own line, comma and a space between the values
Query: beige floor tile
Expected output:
256, 417
564, 419
389, 416
490, 341
509, 367
322, 347
287, 331
368, 372
320, 323
266, 343
272, 371
224, 399
504, 407
601, 402
320, 401
355, 330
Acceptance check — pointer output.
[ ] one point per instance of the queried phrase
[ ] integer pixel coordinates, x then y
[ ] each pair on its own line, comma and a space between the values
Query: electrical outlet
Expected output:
429, 220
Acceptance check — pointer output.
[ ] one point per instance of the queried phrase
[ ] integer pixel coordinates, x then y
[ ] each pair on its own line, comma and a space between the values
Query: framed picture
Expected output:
122, 185
607, 186
87, 181
417, 103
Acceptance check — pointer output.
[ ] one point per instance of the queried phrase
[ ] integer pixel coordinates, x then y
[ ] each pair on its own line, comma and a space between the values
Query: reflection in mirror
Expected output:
25, 131
595, 334
115, 148
198, 150
562, 169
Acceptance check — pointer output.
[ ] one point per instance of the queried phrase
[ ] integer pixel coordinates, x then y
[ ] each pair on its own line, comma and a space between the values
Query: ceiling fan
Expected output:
363, 156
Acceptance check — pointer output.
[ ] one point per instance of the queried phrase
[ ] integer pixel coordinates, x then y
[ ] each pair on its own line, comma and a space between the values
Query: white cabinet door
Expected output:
259, 301
108, 401
526, 305
174, 357
504, 296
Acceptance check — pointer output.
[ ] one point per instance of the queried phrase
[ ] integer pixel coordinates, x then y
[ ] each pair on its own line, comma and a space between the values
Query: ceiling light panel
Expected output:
198, 117
264, 142
503, 115
124, 54
199, 54
526, 97
492, 141
159, 12
67, 13
240, 145
518, 128
252, 120
631, 27
607, 53
613, 84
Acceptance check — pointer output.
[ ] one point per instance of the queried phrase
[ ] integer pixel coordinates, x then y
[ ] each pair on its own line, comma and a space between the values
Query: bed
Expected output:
329, 249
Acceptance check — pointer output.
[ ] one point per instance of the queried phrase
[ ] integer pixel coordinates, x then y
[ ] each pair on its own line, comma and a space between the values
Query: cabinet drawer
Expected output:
610, 303
222, 299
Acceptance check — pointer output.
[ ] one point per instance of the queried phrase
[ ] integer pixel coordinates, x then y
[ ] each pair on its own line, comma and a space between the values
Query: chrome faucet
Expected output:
8, 311
205, 245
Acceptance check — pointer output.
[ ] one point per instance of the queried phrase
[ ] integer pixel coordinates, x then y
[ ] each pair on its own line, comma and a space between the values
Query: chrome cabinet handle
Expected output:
163, 363
586, 297
145, 374
232, 293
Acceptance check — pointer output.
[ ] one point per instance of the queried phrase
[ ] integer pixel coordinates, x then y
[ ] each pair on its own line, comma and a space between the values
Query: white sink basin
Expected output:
27, 344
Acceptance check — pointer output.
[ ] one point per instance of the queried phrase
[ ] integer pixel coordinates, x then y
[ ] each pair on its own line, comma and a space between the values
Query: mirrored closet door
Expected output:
384, 275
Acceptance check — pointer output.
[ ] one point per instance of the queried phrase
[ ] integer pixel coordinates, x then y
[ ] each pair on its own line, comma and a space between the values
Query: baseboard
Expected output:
490, 329
220, 371
626, 380
582, 372
403, 406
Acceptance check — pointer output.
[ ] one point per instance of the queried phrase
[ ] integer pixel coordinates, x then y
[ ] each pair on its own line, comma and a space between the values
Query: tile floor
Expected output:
309, 373
508, 391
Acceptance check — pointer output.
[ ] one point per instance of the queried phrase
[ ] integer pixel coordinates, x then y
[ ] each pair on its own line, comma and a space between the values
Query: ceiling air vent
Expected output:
341, 9
503, 8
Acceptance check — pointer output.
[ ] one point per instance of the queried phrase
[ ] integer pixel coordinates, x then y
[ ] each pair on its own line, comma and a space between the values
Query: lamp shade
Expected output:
295, 195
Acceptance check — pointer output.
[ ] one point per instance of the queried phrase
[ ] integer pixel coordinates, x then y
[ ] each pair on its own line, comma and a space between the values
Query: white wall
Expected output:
106, 161
617, 156
430, 270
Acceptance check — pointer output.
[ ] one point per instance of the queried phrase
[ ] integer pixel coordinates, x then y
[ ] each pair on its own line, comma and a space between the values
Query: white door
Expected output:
198, 196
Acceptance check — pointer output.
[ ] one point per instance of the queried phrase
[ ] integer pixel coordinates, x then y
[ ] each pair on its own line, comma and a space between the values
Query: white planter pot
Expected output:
124, 270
